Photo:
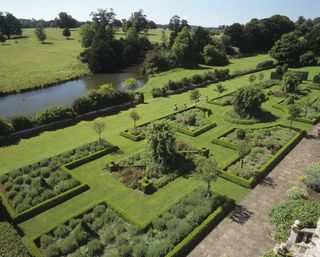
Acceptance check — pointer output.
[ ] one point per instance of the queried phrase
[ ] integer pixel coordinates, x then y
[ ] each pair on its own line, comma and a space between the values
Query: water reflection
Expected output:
30, 102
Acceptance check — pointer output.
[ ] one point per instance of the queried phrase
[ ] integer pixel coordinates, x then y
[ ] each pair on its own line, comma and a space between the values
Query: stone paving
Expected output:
246, 231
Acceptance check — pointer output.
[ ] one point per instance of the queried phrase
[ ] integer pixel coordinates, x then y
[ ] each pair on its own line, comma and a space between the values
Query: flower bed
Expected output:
199, 123
266, 147
31, 186
102, 230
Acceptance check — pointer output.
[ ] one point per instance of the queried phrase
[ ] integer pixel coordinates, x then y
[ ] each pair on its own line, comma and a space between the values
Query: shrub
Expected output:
158, 92
296, 193
54, 113
10, 242
68, 245
265, 64
95, 248
46, 240
316, 79
156, 61
308, 59
312, 179
61, 231
212, 56
241, 134
124, 250
53, 250
21, 122
81, 235
5, 127
139, 250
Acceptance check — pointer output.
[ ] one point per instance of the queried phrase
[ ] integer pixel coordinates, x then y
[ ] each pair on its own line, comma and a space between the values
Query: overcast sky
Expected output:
197, 12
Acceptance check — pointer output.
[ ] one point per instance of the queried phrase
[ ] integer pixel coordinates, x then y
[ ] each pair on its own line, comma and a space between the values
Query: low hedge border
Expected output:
43, 206
180, 249
214, 100
195, 133
267, 167
228, 118
200, 232
299, 119
58, 199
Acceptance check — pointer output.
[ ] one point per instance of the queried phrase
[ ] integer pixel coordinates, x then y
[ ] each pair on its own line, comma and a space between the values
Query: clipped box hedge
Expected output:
58, 199
264, 169
200, 232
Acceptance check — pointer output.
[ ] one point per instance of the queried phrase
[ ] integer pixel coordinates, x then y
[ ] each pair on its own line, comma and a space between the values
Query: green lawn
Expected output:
29, 64
105, 187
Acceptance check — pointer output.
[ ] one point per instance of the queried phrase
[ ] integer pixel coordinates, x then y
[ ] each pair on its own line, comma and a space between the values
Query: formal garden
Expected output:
149, 171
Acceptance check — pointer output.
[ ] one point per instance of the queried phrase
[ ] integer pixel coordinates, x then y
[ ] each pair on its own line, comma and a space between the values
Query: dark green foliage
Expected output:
21, 122
104, 97
9, 25
40, 33
247, 101
156, 61
68, 245
10, 241
288, 49
212, 56
5, 127
161, 148
241, 134
308, 59
61, 231
46, 240
53, 250
54, 113
95, 248
66, 21
158, 92
66, 33
265, 64
316, 79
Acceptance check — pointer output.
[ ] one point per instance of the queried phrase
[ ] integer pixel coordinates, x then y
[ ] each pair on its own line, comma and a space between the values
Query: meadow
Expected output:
28, 64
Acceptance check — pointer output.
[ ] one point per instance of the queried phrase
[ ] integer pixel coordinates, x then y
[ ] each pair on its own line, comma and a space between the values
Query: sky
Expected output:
208, 13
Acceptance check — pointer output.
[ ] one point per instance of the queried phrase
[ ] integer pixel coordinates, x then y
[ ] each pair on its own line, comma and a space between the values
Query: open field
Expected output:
104, 187
30, 64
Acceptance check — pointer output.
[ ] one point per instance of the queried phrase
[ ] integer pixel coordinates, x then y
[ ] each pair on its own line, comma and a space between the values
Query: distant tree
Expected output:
163, 38
161, 148
201, 38
294, 112
87, 33
212, 56
99, 126
135, 117
261, 77
207, 170
152, 25
138, 21
66, 33
288, 49
219, 89
247, 101
195, 95
40, 33
238, 37
252, 78
9, 25
176, 25
66, 21
5, 127
2, 38
103, 17
131, 83
183, 50
156, 61
291, 82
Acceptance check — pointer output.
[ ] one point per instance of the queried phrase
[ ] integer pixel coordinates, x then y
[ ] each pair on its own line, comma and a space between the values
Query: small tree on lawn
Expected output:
99, 126
207, 170
2, 38
261, 77
40, 33
66, 33
294, 112
161, 148
219, 89
195, 95
131, 83
247, 101
252, 78
135, 117
291, 82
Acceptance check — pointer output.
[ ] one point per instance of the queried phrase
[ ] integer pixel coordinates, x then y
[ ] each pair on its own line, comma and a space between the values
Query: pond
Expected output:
64, 93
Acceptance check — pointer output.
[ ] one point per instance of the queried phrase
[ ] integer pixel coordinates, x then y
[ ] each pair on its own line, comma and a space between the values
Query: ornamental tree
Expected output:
248, 101
207, 170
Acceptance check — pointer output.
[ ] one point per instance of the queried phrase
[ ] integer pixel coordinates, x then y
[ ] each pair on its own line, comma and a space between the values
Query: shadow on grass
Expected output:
240, 214
267, 117
47, 43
